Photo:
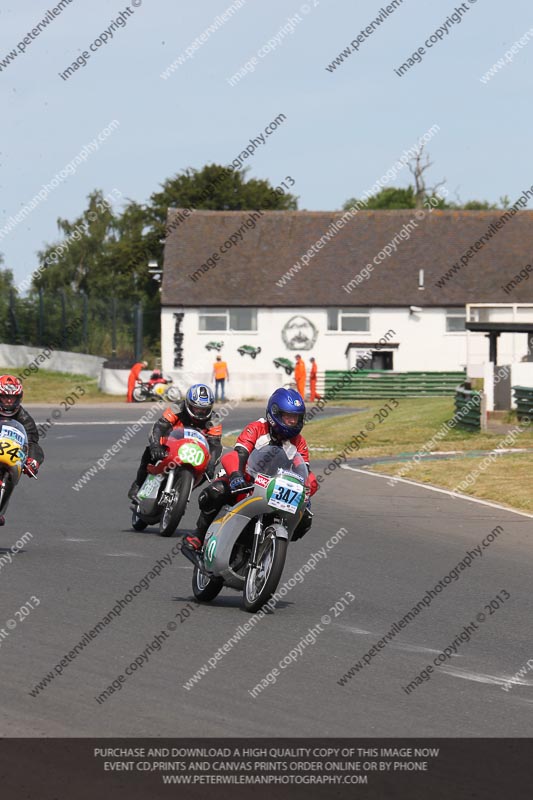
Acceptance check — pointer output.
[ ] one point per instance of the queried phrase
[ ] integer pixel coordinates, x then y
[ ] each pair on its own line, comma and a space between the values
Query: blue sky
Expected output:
343, 130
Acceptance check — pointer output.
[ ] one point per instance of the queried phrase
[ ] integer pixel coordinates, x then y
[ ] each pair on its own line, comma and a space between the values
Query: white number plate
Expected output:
287, 495
8, 432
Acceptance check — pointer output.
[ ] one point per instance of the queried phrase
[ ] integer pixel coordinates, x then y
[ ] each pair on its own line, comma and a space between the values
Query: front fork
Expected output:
167, 491
258, 537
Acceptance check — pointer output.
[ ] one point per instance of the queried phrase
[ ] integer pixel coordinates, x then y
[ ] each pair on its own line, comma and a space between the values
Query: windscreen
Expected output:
188, 433
10, 429
268, 460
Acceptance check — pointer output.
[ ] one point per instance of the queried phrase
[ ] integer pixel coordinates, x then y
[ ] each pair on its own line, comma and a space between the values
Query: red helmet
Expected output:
10, 395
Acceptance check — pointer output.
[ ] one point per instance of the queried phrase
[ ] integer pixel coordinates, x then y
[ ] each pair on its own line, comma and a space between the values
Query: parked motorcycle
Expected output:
246, 545
13, 454
156, 389
164, 495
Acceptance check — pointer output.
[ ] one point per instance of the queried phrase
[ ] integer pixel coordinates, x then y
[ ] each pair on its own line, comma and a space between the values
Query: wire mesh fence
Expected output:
106, 326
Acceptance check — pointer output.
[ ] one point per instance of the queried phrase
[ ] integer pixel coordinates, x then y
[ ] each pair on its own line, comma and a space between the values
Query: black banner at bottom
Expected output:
148, 769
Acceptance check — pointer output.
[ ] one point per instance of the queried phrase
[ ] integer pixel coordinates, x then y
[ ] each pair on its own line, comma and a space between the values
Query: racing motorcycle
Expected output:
246, 544
156, 389
164, 495
13, 454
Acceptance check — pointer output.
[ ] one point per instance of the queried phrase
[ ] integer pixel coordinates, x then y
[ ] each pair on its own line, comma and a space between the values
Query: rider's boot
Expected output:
192, 544
210, 500
132, 491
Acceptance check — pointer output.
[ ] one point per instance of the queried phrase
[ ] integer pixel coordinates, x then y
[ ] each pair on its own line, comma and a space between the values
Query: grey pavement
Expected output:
401, 540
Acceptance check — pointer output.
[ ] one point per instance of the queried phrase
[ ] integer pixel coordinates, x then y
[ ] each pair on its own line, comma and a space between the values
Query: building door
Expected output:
381, 359
502, 389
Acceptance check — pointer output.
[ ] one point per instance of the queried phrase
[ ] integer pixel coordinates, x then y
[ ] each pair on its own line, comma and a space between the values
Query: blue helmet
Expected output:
199, 402
285, 401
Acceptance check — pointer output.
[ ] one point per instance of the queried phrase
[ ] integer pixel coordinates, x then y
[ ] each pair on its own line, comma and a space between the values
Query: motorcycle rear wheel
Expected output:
204, 587
171, 517
262, 581
139, 395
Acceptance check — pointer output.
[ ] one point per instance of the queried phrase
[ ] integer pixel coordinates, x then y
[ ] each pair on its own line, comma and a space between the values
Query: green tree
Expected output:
7, 289
389, 198
213, 187
104, 253
396, 198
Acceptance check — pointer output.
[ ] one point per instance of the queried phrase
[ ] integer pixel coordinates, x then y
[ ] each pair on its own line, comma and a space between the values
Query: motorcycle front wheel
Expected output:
261, 581
205, 587
172, 394
173, 513
139, 395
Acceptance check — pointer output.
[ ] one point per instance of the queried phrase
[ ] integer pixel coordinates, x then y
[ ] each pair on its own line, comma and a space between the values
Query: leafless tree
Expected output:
417, 166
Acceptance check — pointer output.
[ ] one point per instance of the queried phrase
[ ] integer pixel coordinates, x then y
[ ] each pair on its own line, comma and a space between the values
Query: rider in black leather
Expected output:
11, 394
193, 412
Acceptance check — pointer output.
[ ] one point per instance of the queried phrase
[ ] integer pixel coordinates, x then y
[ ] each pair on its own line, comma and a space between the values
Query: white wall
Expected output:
55, 360
424, 345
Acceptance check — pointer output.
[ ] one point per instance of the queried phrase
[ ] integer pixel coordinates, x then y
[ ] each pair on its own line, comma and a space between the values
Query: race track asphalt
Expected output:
400, 541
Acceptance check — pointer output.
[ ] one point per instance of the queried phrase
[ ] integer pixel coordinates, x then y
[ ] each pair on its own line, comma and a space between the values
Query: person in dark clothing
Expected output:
194, 411
11, 394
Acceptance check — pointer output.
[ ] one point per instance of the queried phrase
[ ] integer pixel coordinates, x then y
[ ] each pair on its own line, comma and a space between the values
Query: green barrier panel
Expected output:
524, 402
467, 409
346, 385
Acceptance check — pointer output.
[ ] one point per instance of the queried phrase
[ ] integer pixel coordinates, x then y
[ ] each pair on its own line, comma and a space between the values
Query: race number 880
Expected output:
191, 454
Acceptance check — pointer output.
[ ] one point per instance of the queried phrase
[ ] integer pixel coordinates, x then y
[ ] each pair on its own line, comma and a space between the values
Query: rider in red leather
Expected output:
284, 421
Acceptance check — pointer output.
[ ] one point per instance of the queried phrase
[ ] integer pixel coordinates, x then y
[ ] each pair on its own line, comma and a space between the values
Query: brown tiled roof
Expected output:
247, 274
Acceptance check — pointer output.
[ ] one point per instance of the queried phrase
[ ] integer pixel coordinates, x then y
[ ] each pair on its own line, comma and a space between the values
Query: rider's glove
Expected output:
158, 452
237, 481
31, 467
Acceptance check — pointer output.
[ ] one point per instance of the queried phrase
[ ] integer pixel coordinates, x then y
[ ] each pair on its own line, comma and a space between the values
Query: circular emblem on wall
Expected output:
299, 333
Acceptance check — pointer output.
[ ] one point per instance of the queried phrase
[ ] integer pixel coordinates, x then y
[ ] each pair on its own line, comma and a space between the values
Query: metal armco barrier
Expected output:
470, 411
524, 402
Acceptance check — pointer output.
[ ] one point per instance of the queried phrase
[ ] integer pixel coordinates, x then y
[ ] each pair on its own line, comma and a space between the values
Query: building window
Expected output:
348, 319
213, 319
455, 320
227, 319
243, 319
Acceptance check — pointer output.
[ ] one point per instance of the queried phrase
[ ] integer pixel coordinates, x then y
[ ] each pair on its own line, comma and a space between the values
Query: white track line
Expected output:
430, 488
104, 422
480, 677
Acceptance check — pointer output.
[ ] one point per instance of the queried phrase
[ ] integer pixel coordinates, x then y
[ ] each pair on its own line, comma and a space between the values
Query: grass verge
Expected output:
506, 480
406, 428
52, 387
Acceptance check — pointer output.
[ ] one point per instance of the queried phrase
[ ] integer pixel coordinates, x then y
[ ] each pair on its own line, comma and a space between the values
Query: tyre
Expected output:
204, 587
139, 395
137, 523
262, 581
172, 514
172, 394
254, 355
288, 370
